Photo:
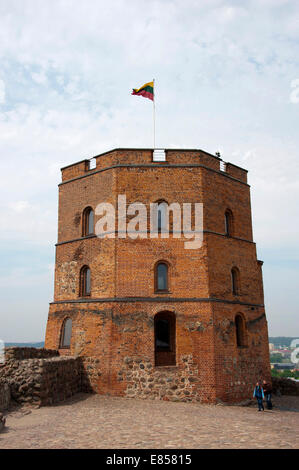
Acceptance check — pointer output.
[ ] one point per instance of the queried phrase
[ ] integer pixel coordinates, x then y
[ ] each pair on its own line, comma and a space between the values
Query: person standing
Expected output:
268, 394
258, 393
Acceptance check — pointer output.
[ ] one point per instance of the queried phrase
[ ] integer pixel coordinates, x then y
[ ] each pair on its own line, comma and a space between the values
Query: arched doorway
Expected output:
165, 347
240, 331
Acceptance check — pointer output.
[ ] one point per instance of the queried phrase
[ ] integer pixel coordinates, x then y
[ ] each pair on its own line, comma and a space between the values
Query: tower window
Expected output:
159, 216
240, 331
228, 223
159, 220
87, 222
161, 276
66, 333
165, 326
162, 216
85, 281
235, 278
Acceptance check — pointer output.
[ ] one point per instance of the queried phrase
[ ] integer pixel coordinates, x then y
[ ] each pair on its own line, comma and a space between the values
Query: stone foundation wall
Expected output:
42, 379
169, 383
139, 378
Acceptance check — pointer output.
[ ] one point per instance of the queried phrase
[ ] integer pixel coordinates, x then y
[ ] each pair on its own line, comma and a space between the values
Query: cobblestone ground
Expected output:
94, 421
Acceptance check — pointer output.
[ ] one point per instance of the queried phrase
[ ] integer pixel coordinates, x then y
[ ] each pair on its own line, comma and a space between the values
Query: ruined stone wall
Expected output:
40, 380
284, 386
19, 354
4, 395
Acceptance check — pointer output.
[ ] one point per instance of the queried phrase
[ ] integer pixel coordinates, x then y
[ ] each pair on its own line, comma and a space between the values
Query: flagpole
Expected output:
154, 112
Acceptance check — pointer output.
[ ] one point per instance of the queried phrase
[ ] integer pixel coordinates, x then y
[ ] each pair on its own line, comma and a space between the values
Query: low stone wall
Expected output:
61, 379
2, 421
19, 354
44, 379
4, 396
283, 386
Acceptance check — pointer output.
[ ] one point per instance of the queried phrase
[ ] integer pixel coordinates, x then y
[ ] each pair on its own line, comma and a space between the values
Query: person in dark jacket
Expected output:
258, 393
268, 394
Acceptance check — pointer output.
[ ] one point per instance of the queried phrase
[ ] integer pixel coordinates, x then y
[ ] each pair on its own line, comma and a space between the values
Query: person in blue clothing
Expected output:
258, 393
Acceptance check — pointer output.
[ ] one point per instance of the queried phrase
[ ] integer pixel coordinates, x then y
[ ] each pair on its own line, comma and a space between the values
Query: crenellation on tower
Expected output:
126, 157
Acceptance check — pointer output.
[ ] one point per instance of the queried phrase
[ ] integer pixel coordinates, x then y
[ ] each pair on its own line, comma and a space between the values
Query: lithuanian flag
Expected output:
147, 91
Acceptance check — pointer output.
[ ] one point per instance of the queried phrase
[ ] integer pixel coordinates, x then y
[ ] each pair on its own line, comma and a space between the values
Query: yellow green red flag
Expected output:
147, 91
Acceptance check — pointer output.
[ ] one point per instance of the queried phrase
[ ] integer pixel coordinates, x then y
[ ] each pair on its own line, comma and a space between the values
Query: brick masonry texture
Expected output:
113, 328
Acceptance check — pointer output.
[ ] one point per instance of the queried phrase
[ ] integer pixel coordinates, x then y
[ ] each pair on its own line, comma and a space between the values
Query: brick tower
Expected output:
148, 317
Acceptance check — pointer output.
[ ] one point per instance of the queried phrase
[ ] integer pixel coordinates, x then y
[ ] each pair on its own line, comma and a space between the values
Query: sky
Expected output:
226, 79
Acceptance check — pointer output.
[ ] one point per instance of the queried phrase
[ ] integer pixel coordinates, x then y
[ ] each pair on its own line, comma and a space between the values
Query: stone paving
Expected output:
95, 421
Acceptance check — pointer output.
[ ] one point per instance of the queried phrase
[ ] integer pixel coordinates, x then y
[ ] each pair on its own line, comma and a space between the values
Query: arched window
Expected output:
235, 278
159, 221
66, 333
87, 222
165, 348
240, 331
161, 277
228, 223
85, 281
160, 214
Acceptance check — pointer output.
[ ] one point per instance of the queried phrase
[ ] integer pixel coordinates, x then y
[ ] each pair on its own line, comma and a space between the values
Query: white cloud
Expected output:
2, 91
294, 96
19, 206
39, 77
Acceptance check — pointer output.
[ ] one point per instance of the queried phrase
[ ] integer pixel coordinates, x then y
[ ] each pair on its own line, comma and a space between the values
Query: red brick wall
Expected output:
239, 368
116, 333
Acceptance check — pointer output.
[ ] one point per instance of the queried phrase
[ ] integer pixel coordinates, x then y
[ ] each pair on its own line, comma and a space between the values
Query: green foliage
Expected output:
282, 340
276, 358
285, 373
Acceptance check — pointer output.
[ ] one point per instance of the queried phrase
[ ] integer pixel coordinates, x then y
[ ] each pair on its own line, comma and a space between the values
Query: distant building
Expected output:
283, 366
282, 352
271, 347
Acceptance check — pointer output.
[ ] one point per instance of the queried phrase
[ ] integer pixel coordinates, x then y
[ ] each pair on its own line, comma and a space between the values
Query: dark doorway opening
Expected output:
165, 354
